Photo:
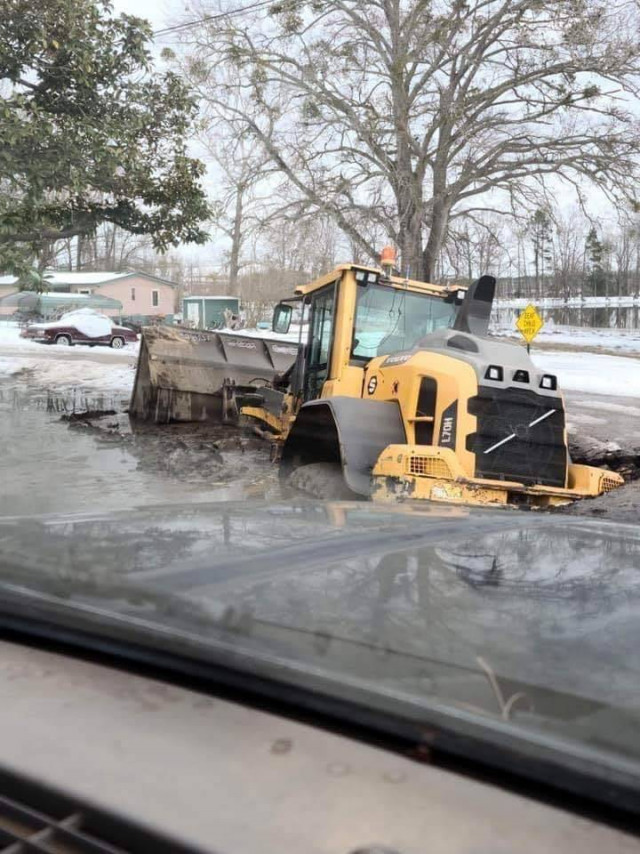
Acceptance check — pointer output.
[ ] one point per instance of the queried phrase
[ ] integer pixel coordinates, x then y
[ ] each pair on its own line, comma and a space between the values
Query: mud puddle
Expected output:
78, 452
18, 397
620, 505
193, 453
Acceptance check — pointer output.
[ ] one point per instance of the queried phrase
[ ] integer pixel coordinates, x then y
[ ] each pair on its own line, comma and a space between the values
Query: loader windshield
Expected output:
390, 319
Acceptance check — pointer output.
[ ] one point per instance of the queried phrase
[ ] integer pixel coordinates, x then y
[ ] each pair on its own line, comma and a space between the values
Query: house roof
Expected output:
61, 279
52, 299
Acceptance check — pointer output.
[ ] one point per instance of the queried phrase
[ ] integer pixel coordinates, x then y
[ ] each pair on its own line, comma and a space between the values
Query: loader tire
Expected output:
321, 480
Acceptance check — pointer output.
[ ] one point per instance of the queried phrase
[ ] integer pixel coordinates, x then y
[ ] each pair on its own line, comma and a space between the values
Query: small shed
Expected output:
206, 312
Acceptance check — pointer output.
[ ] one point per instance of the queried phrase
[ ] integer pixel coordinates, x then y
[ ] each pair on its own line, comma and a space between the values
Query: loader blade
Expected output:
181, 372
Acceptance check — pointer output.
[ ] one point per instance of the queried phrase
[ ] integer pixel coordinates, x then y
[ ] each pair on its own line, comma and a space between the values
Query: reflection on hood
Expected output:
472, 607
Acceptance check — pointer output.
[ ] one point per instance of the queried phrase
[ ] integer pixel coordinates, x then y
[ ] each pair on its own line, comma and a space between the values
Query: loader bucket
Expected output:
181, 372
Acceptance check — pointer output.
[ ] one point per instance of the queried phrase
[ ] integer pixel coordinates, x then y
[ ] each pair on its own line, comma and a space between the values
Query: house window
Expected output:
133, 294
154, 297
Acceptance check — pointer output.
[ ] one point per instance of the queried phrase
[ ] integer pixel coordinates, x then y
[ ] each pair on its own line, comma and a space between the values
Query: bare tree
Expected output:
239, 171
476, 245
410, 113
569, 253
308, 246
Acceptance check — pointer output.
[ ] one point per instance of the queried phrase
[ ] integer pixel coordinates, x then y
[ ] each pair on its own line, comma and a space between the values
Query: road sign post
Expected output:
529, 324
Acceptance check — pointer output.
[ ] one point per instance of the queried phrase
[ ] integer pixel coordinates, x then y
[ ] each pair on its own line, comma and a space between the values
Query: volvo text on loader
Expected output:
396, 391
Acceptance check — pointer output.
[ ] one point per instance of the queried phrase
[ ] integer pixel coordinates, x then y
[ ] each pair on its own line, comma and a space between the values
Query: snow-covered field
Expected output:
593, 373
624, 340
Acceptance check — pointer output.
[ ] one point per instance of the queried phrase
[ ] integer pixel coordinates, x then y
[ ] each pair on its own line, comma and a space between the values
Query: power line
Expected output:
231, 13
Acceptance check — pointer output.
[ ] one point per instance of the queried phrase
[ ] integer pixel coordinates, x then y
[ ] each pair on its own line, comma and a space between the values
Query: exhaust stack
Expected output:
475, 311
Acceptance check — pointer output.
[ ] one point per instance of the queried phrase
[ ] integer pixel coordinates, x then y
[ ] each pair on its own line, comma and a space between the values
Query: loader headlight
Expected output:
366, 277
521, 377
494, 372
456, 297
549, 381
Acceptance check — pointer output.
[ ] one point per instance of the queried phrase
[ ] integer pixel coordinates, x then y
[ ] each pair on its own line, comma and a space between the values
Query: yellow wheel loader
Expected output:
395, 391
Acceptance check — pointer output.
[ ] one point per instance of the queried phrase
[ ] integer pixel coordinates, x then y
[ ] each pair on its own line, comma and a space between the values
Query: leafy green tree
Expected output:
89, 132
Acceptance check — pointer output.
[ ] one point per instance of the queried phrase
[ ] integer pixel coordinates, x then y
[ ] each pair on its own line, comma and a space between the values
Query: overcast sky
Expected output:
159, 12
163, 13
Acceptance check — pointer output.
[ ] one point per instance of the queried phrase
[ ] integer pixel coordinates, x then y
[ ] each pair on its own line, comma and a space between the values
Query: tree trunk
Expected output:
236, 242
409, 200
439, 222
411, 246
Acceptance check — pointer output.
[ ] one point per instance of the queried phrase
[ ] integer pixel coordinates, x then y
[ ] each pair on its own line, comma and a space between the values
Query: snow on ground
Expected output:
60, 369
593, 373
65, 376
625, 340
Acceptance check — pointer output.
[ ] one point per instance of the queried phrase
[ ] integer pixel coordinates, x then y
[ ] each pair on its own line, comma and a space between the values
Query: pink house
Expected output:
140, 293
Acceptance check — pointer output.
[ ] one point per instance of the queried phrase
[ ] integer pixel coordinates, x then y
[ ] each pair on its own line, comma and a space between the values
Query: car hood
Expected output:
520, 616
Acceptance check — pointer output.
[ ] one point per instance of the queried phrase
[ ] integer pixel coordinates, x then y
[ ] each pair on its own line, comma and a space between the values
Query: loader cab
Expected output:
357, 313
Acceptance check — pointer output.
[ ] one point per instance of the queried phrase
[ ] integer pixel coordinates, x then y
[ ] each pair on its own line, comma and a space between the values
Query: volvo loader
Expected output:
396, 391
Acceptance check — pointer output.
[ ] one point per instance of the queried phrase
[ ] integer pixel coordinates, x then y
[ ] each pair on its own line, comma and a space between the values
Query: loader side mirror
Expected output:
282, 318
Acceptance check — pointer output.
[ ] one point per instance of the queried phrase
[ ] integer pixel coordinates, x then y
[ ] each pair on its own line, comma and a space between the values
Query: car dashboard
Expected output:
96, 758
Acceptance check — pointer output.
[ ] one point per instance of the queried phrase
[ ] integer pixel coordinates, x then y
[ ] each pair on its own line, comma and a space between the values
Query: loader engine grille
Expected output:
608, 483
425, 466
519, 436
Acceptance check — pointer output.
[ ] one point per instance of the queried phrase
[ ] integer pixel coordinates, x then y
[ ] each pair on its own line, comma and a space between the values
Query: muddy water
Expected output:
53, 460
48, 465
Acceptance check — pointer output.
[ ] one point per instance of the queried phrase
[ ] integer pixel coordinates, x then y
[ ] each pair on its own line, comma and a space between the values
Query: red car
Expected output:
90, 329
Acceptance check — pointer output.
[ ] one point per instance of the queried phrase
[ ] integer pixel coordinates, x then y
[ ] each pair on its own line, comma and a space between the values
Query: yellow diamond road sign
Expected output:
529, 323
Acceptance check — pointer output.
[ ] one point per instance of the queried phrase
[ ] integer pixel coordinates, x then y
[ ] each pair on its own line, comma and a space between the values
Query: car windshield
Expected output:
412, 503
390, 319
